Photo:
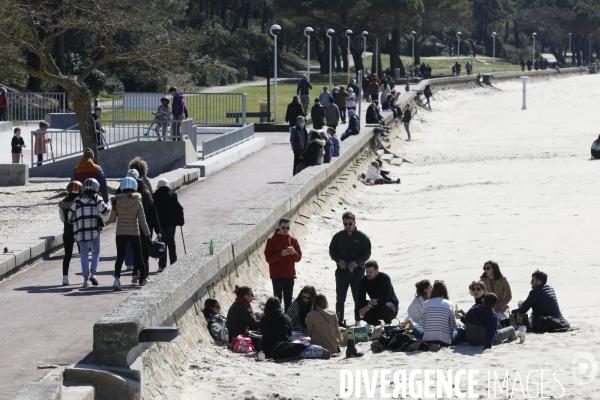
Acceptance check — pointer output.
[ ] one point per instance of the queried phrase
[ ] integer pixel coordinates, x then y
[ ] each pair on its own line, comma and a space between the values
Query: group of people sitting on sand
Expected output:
375, 175
307, 328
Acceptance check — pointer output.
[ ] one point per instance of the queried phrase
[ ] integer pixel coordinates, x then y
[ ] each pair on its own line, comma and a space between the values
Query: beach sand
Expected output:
489, 181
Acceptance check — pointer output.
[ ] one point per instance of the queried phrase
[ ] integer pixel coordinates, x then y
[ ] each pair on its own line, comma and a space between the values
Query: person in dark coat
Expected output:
536, 64
294, 110
353, 126
332, 115
522, 63
98, 127
17, 143
365, 88
241, 316
298, 140
311, 154
216, 321
275, 326
170, 216
382, 303
317, 113
529, 65
335, 142
372, 116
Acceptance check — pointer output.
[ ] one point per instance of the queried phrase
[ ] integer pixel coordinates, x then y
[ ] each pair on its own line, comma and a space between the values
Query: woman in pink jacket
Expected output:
40, 146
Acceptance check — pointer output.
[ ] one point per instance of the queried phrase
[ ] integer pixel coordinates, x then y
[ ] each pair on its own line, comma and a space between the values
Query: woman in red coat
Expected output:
282, 253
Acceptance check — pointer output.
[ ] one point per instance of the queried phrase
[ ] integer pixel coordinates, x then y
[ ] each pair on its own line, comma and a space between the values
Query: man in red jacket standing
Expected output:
3, 104
282, 253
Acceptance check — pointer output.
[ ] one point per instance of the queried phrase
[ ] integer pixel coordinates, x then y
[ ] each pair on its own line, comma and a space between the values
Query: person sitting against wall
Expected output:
309, 157
373, 176
322, 326
300, 308
596, 149
497, 283
353, 125
241, 316
216, 321
386, 174
482, 324
416, 309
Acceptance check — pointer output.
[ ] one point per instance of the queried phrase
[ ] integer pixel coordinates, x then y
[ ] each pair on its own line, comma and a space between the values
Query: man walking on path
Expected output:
303, 90
382, 303
87, 169
282, 252
294, 110
180, 112
170, 216
298, 140
326, 98
350, 249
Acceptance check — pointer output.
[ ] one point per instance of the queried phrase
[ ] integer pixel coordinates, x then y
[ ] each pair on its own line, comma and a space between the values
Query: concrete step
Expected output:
387, 158
380, 153
79, 392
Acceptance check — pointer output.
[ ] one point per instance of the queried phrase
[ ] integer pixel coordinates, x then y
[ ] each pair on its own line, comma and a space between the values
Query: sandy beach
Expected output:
488, 181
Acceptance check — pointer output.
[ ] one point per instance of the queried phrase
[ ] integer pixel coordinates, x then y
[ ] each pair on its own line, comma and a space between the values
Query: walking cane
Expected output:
151, 125
183, 240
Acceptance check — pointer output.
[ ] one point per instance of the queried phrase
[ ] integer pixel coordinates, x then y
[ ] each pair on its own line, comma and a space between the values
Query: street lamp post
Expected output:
377, 56
364, 34
275, 29
458, 36
412, 34
533, 35
494, 51
525, 79
570, 34
590, 56
308, 32
329, 33
348, 33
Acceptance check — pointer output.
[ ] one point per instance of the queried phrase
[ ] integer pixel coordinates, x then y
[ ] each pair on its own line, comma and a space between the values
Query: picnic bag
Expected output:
243, 345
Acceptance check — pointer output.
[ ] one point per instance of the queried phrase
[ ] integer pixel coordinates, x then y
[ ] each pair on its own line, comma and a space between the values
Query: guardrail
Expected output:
67, 142
206, 109
225, 141
31, 107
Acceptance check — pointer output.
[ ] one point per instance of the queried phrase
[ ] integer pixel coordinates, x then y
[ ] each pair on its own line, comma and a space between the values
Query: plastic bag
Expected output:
243, 345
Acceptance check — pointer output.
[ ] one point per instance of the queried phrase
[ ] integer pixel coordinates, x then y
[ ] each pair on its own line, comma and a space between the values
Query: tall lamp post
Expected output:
412, 34
364, 34
533, 35
348, 33
308, 31
590, 57
275, 29
329, 33
494, 51
570, 34
458, 36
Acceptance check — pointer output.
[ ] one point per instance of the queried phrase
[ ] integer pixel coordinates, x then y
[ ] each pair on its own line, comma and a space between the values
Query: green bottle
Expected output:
211, 248
345, 325
456, 307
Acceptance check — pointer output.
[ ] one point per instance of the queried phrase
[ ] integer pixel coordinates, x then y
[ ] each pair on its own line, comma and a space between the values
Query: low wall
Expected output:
14, 174
162, 156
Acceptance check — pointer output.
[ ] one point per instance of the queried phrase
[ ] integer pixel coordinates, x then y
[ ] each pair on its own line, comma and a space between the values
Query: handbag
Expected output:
157, 249
243, 345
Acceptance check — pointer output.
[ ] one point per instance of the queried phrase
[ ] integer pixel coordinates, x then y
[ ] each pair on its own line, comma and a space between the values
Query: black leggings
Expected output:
69, 243
136, 246
145, 258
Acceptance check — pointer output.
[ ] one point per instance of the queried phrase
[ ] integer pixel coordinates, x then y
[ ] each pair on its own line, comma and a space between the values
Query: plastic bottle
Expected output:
211, 248
456, 308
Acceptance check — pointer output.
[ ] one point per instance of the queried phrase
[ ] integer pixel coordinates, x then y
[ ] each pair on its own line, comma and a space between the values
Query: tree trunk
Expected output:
395, 50
417, 52
357, 57
34, 84
321, 52
336, 54
516, 33
82, 106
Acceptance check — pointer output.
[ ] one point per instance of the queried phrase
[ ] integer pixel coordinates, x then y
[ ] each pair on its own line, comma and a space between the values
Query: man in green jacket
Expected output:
350, 249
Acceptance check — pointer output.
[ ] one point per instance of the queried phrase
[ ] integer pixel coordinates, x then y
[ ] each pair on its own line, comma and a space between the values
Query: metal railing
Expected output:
225, 141
206, 109
31, 107
67, 142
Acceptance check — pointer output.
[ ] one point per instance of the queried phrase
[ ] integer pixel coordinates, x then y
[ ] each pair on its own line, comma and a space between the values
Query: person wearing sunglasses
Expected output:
216, 321
282, 252
300, 308
350, 249
241, 316
497, 283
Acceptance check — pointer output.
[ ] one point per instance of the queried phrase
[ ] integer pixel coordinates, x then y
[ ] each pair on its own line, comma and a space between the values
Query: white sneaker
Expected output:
94, 280
85, 282
117, 285
66, 281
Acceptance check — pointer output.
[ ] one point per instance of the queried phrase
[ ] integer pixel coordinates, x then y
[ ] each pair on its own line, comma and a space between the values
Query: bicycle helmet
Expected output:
128, 184
91, 184
75, 187
165, 101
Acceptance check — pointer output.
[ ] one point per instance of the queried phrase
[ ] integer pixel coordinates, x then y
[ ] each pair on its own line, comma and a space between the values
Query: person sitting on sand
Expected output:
496, 283
543, 303
216, 321
241, 316
416, 309
373, 176
477, 290
322, 326
386, 174
382, 303
275, 326
482, 324
438, 320
309, 157
596, 149
300, 308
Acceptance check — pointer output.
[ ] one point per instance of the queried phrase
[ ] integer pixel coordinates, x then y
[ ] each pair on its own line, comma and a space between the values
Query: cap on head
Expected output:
128, 185
132, 173
351, 113
162, 183
89, 153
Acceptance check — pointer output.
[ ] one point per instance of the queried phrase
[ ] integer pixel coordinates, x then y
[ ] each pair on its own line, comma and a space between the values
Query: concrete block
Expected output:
79, 392
37, 246
7, 263
220, 161
14, 174
263, 219
39, 391
296, 193
242, 238
108, 384
22, 252
278, 202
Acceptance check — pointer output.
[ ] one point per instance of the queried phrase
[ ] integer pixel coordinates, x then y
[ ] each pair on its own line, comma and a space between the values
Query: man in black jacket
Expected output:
170, 215
383, 303
303, 90
294, 110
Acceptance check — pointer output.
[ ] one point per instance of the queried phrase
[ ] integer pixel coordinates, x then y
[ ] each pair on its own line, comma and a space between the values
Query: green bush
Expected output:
113, 85
210, 72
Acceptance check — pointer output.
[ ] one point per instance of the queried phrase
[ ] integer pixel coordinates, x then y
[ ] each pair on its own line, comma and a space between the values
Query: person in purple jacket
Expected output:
179, 112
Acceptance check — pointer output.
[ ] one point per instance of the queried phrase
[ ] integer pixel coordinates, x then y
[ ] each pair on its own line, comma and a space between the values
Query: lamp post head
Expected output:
364, 34
458, 34
534, 34
494, 34
330, 32
413, 33
570, 34
274, 30
308, 31
348, 33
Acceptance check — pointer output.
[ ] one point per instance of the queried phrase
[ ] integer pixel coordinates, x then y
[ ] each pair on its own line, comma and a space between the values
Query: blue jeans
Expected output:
168, 237
129, 256
406, 126
85, 262
343, 279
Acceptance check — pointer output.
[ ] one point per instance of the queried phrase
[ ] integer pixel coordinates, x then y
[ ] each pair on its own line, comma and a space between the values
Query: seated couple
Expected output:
375, 175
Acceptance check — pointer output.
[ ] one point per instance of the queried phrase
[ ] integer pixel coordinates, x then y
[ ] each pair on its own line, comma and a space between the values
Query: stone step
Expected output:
79, 392
380, 153
387, 158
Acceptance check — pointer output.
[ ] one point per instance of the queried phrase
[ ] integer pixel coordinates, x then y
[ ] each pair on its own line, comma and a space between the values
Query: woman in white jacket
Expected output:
416, 309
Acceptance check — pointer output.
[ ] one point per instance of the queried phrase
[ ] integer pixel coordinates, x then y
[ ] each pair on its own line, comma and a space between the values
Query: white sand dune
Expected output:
489, 181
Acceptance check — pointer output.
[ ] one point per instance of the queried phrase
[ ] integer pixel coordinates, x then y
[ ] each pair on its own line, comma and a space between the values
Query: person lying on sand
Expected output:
373, 176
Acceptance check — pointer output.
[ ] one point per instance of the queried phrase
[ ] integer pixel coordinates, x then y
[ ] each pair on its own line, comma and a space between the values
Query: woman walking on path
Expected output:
128, 213
74, 190
84, 213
